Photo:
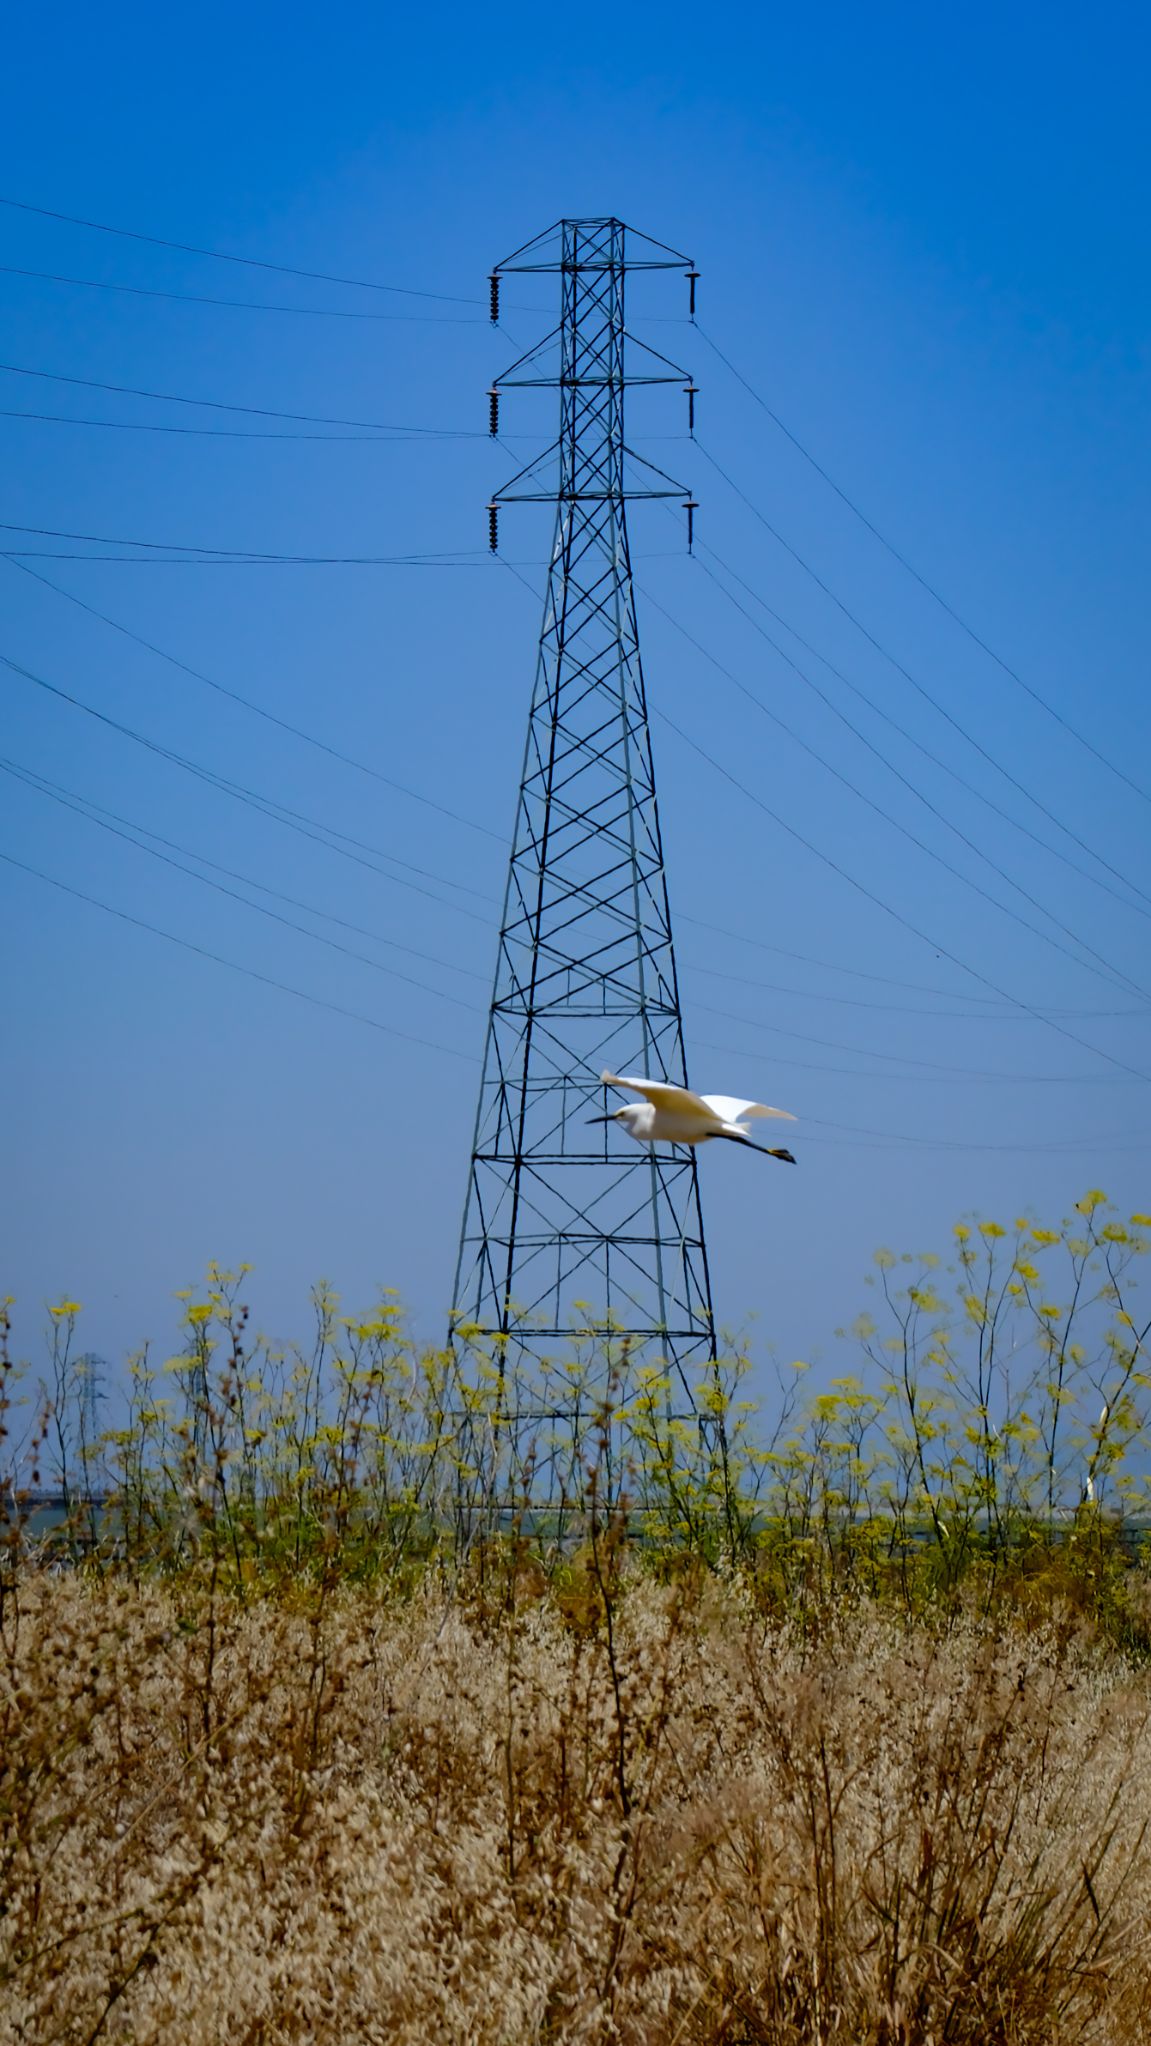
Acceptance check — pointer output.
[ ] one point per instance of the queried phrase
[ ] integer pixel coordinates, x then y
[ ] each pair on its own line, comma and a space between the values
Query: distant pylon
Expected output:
91, 1373
565, 1232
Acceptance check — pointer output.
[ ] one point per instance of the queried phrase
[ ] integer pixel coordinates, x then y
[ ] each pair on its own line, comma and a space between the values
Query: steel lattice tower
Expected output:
564, 1233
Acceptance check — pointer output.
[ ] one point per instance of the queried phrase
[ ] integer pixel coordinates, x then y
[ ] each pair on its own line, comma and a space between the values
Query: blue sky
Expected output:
921, 239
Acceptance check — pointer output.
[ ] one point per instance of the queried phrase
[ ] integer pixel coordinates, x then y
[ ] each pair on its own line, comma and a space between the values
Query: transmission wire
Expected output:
942, 951
922, 580
223, 256
920, 687
372, 440
348, 760
250, 972
1112, 974
890, 1008
79, 808
252, 411
249, 555
281, 813
133, 834
250, 305
97, 811
258, 710
931, 1067
937, 760
372, 1023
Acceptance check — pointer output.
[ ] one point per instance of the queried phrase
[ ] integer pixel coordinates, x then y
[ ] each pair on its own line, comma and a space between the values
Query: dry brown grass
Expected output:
505, 1820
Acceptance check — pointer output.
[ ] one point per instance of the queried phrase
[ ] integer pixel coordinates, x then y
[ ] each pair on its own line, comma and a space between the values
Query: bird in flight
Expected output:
674, 1115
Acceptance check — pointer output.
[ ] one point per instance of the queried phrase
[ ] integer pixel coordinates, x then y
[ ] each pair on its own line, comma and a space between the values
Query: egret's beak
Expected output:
600, 1118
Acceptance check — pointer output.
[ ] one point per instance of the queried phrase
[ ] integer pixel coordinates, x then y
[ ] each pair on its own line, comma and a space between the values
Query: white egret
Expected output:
674, 1115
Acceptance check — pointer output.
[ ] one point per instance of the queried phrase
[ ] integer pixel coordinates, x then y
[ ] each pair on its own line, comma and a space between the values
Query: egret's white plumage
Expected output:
675, 1115
729, 1109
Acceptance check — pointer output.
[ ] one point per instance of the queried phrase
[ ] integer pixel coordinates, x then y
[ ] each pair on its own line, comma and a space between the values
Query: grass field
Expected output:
401, 1698
523, 1813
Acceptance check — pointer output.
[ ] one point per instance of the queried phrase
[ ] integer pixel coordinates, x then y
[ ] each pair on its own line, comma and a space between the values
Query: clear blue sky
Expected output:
922, 236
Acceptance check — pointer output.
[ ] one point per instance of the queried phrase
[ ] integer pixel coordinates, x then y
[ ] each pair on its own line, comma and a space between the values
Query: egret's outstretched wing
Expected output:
662, 1094
729, 1109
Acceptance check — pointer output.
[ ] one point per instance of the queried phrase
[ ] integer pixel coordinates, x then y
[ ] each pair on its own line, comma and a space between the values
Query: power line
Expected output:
893, 1139
97, 810
931, 1068
340, 842
222, 256
363, 767
742, 938
433, 563
248, 880
1071, 1147
942, 951
322, 745
918, 987
859, 1140
830, 704
396, 439
921, 689
936, 759
133, 834
252, 411
922, 580
1113, 974
79, 807
450, 1051
889, 1008
258, 710
249, 555
233, 965
248, 305
844, 874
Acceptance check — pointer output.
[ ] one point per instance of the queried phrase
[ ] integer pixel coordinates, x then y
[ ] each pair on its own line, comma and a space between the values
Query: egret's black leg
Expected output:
784, 1156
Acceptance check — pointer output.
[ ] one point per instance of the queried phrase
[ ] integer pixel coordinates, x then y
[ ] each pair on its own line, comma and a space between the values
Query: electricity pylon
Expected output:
565, 1233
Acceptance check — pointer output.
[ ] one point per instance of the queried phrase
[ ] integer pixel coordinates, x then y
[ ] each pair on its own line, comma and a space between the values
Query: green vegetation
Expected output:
995, 1418
366, 1693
